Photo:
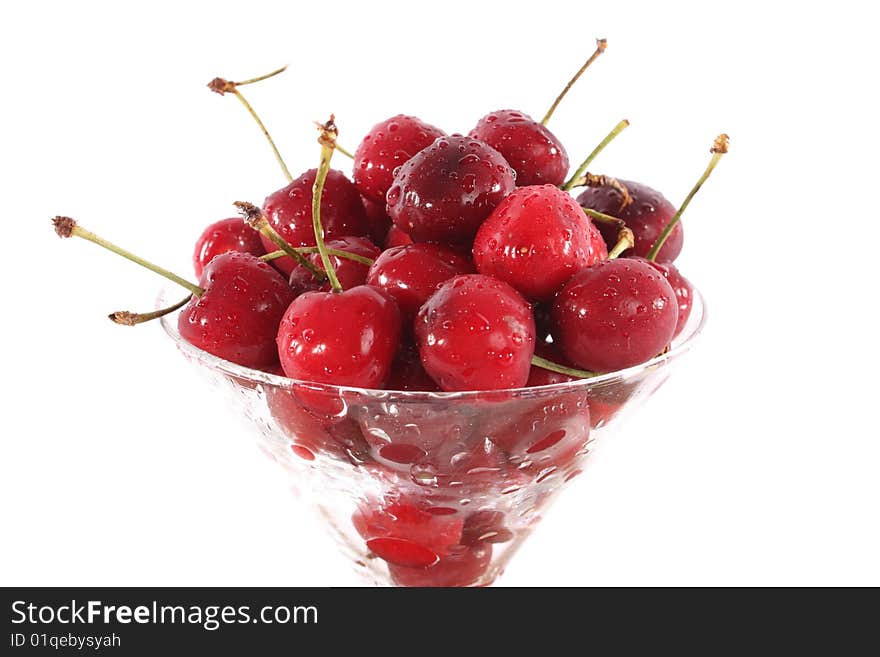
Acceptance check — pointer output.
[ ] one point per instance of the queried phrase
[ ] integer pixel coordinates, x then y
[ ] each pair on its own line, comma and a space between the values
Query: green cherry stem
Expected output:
127, 318
274, 255
620, 127
597, 180
545, 364
625, 240
601, 44
327, 139
221, 86
344, 152
719, 148
67, 227
254, 218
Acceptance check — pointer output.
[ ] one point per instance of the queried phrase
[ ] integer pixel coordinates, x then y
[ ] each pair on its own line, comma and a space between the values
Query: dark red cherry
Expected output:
463, 566
412, 273
614, 315
289, 210
347, 338
349, 272
237, 316
476, 333
408, 373
538, 376
224, 236
380, 222
646, 216
534, 152
406, 532
444, 192
396, 237
684, 291
537, 239
388, 145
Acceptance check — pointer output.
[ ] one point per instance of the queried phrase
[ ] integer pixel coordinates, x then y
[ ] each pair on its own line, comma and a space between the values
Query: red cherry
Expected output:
463, 566
412, 273
485, 526
537, 239
289, 211
380, 222
534, 152
308, 433
388, 145
349, 272
476, 333
237, 316
444, 192
614, 315
406, 533
396, 237
224, 236
646, 217
347, 338
408, 373
684, 291
538, 376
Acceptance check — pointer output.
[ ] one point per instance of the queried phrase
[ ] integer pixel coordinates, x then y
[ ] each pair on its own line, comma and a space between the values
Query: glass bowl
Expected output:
429, 488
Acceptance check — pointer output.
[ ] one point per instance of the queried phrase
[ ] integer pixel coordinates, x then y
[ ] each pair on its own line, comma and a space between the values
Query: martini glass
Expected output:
428, 488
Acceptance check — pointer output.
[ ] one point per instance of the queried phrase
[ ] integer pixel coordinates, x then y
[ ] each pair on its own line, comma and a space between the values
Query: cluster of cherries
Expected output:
446, 263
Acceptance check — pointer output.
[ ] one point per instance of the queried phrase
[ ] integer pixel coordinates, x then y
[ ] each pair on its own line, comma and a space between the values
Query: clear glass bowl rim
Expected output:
684, 342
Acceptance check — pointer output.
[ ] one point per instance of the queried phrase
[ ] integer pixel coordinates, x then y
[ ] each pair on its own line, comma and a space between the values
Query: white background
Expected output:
756, 464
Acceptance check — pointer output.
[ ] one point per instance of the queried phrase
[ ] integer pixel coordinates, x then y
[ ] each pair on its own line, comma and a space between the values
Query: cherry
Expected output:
347, 338
537, 239
684, 291
380, 222
444, 192
406, 533
535, 153
389, 144
237, 316
463, 566
476, 333
485, 526
614, 315
412, 273
539, 376
289, 212
351, 273
647, 216
396, 237
223, 236
408, 373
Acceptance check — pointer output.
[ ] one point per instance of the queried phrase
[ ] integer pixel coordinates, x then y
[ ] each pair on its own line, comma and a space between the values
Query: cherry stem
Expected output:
620, 127
67, 227
344, 152
327, 139
596, 180
625, 240
127, 318
719, 148
601, 44
545, 364
221, 86
339, 253
254, 218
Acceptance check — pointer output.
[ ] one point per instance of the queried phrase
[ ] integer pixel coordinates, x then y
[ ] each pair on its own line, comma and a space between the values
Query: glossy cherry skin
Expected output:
463, 566
237, 316
408, 373
289, 210
379, 221
411, 274
537, 239
396, 237
347, 338
684, 290
538, 376
646, 216
614, 315
444, 192
349, 272
224, 236
476, 333
534, 152
388, 145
